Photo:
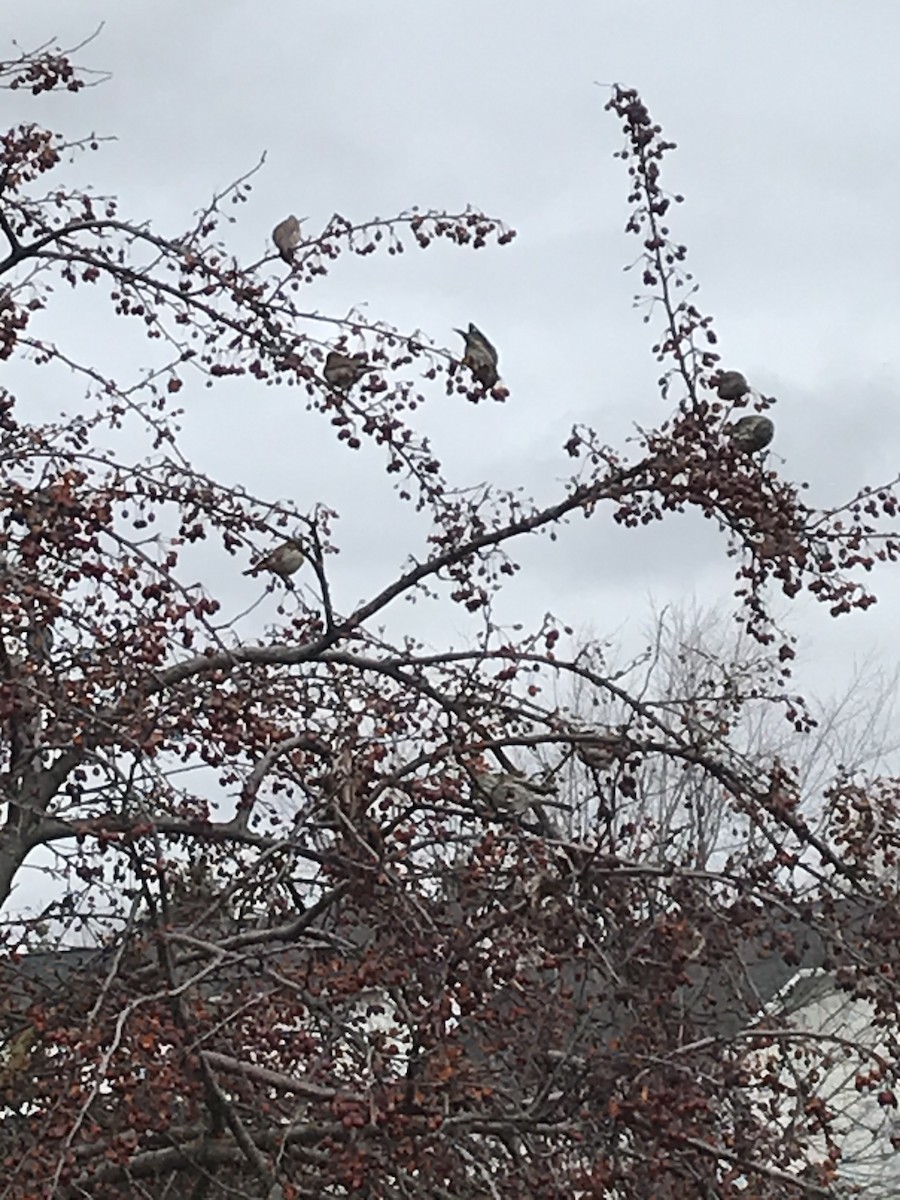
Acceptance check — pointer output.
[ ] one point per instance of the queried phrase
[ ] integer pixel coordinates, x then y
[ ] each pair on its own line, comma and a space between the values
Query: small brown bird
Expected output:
517, 796
732, 385
752, 433
39, 642
283, 561
286, 236
602, 754
515, 792
343, 370
480, 356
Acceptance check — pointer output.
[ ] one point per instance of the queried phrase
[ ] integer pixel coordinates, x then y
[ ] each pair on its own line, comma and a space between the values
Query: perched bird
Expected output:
286, 236
520, 797
752, 433
480, 356
343, 370
732, 385
39, 642
505, 790
283, 561
517, 793
602, 753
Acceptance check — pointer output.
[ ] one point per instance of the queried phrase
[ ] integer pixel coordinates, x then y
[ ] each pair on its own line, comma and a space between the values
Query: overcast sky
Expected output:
785, 115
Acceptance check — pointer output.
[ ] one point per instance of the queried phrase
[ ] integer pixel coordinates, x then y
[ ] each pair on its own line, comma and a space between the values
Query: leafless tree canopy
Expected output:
327, 915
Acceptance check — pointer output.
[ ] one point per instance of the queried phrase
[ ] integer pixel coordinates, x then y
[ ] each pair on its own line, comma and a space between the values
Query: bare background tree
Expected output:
706, 678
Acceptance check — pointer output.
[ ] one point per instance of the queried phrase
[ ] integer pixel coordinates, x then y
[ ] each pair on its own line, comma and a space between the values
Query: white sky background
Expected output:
789, 158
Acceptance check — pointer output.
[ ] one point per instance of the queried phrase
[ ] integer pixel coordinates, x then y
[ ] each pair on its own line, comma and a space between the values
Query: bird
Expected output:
732, 385
283, 561
602, 753
39, 642
516, 793
752, 433
343, 370
480, 356
519, 797
286, 236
